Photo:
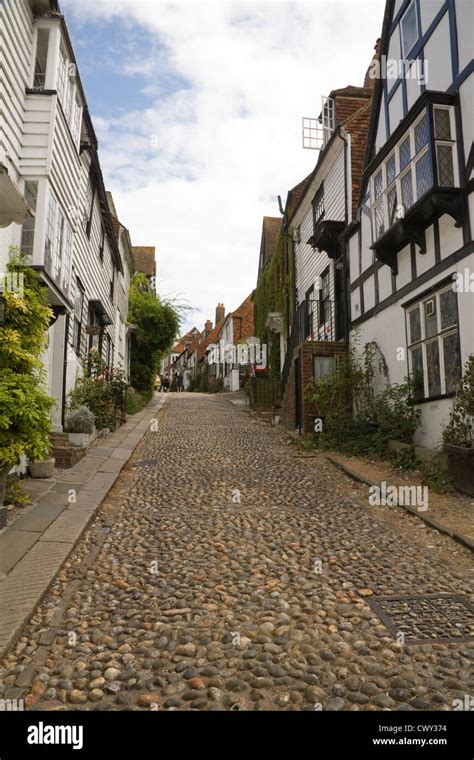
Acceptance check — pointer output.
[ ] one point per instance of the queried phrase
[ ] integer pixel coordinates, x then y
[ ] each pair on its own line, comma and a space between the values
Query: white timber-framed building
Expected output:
410, 253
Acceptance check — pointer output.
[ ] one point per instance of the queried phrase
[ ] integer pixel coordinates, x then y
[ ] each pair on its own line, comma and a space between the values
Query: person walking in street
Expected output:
180, 382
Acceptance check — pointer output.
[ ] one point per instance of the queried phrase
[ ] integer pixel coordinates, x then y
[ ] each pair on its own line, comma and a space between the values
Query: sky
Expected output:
198, 109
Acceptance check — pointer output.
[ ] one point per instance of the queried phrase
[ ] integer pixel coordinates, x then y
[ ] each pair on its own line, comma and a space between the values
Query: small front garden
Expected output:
362, 415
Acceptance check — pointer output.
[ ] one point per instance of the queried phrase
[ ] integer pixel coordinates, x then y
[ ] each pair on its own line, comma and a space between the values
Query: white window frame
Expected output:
48, 55
426, 340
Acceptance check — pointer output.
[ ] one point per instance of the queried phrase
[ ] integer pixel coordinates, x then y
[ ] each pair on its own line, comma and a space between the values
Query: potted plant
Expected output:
458, 434
80, 426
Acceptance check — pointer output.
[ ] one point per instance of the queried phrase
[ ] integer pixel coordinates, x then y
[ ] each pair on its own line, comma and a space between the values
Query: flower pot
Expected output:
461, 467
82, 439
43, 468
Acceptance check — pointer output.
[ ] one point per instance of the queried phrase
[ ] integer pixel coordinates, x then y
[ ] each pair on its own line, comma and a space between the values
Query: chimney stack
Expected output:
371, 73
208, 327
220, 313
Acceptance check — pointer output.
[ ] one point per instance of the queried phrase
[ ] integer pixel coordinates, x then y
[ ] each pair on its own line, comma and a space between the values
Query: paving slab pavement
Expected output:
35, 546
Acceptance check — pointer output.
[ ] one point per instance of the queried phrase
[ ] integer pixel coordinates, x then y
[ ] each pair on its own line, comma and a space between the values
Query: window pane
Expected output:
431, 318
391, 170
407, 190
424, 175
409, 31
432, 365
405, 153
379, 220
421, 134
378, 184
415, 325
417, 373
41, 58
452, 362
447, 305
442, 124
28, 230
392, 205
444, 155
323, 365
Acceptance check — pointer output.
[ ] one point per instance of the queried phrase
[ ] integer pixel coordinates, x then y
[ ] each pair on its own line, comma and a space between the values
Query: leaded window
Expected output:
409, 171
433, 344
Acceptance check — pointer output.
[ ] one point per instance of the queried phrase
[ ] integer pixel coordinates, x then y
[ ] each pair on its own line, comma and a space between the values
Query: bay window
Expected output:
420, 161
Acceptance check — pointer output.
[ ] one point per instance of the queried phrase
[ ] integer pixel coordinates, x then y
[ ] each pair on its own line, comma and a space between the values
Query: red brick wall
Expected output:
307, 352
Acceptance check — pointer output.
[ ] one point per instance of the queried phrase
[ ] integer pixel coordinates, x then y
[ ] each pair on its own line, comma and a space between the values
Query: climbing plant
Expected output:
25, 406
274, 293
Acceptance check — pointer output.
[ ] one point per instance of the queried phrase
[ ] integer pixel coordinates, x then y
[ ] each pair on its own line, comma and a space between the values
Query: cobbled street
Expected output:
233, 573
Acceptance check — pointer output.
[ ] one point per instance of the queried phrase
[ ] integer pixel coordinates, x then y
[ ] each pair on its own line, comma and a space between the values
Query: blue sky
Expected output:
198, 107
102, 47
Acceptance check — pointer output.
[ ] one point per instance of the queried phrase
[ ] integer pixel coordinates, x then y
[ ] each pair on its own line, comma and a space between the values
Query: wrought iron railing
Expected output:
264, 391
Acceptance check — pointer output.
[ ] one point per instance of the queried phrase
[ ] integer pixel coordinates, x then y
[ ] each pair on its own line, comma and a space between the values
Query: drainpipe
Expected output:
345, 273
63, 400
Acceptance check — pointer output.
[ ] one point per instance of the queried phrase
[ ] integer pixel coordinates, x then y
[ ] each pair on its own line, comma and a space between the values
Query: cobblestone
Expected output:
236, 575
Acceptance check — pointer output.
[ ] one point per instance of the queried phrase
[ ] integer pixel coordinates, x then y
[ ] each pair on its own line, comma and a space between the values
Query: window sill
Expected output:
432, 399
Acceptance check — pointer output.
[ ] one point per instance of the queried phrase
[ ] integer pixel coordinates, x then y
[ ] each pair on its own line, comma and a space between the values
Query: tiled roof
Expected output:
144, 256
211, 338
296, 193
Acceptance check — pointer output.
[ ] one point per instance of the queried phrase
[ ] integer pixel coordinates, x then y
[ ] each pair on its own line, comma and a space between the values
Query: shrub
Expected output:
460, 428
356, 420
80, 420
16, 495
136, 401
102, 393
217, 386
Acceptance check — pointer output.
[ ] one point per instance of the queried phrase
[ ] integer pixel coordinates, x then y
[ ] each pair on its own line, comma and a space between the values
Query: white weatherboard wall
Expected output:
311, 262
40, 142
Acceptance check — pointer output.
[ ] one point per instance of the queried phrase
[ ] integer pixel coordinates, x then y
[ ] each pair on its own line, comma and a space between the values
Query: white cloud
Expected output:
197, 170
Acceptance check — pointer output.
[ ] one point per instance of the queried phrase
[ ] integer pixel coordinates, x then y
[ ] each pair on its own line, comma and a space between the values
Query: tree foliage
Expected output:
25, 406
157, 324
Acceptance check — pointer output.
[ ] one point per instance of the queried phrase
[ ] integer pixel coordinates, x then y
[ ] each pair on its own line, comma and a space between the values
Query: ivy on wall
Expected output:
274, 293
